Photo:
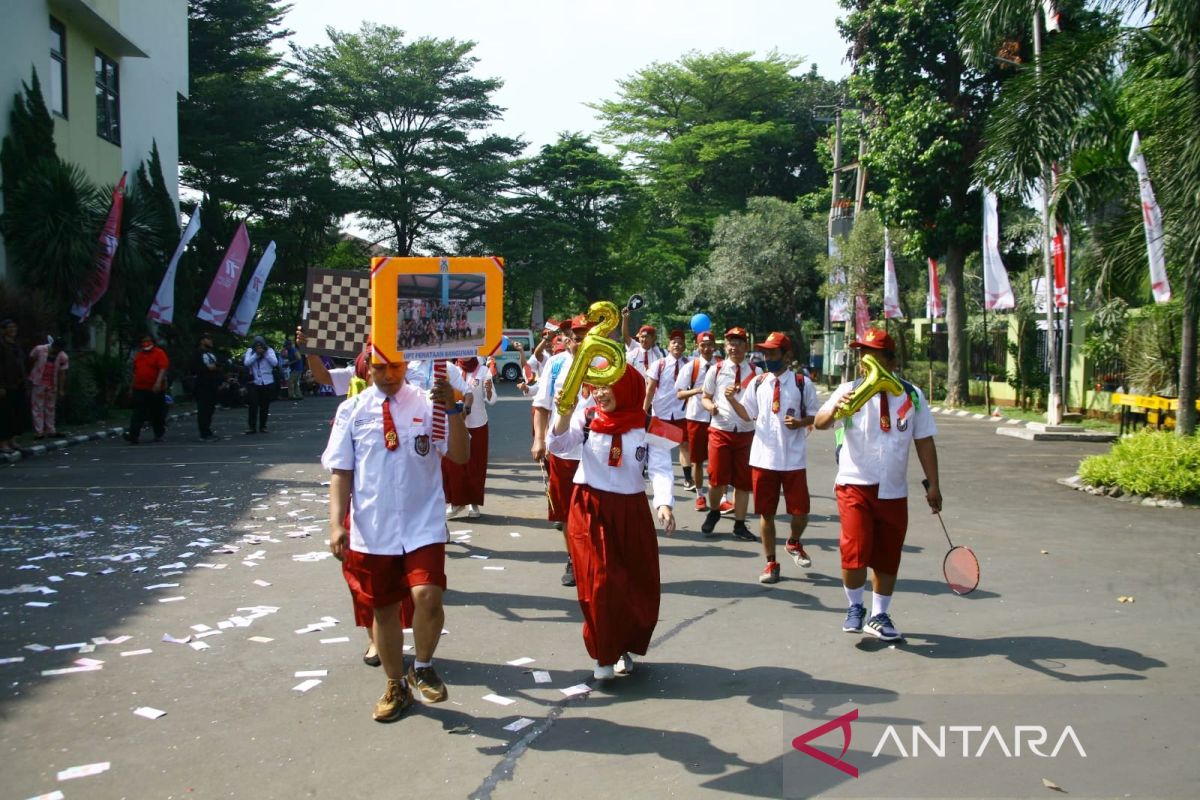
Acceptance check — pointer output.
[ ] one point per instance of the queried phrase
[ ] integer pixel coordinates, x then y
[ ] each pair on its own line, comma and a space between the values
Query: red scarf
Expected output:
390, 440
468, 365
630, 392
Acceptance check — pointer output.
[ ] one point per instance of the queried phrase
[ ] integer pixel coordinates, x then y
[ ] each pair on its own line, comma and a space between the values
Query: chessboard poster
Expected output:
437, 308
337, 312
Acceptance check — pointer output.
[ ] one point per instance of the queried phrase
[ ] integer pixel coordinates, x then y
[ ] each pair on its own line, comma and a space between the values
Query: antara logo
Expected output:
1023, 739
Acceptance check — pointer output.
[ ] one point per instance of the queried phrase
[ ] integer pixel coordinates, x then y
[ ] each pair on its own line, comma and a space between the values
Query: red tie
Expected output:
390, 440
775, 397
737, 380
885, 417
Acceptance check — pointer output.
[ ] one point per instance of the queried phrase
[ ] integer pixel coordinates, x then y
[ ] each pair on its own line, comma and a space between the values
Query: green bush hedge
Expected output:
1151, 463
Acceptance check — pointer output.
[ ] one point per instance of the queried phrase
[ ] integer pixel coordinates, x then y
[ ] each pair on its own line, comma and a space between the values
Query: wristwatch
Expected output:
457, 408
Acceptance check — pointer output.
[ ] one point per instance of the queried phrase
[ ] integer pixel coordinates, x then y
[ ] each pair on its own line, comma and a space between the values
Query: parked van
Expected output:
508, 363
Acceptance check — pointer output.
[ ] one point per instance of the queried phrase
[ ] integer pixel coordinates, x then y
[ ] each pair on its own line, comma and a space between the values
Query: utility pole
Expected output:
1053, 407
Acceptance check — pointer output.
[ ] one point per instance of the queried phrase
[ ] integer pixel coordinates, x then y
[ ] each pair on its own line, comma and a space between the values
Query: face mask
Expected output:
773, 366
147, 347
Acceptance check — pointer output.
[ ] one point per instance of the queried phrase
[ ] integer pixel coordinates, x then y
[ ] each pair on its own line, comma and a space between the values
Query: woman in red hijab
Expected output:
610, 530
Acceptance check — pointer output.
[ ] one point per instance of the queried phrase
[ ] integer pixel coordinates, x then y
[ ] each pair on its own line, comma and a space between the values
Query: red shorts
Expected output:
873, 530
729, 459
377, 581
697, 440
767, 486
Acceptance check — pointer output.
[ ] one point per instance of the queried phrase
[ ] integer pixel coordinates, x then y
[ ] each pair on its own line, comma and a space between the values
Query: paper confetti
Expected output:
83, 771
149, 713
498, 700
306, 685
520, 724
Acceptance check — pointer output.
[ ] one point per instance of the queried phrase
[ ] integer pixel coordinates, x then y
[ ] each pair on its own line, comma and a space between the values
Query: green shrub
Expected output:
1152, 463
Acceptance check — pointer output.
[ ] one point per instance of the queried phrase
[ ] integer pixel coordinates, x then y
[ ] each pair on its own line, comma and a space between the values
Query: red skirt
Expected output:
562, 485
614, 548
463, 483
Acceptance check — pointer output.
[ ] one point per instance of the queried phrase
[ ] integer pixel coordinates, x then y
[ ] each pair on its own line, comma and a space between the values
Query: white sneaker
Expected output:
624, 664
606, 673
473, 511
453, 511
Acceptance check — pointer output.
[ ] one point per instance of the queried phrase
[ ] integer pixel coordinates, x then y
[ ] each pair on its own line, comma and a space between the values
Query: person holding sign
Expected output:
610, 530
385, 466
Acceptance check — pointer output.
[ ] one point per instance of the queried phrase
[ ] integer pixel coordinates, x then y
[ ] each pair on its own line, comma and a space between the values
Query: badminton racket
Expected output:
960, 567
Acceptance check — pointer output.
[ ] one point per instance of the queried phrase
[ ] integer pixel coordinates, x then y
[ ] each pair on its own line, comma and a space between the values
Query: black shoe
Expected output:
710, 522
558, 526
127, 436
568, 576
371, 661
262, 430
740, 531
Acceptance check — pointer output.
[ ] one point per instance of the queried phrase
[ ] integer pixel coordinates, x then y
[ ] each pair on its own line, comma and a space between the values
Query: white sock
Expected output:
855, 596
422, 664
880, 603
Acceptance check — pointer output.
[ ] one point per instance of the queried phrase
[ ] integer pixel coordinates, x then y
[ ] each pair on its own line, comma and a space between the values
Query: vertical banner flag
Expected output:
891, 286
933, 302
162, 310
1058, 250
839, 304
220, 294
239, 323
862, 316
1152, 220
997, 291
110, 236
1052, 16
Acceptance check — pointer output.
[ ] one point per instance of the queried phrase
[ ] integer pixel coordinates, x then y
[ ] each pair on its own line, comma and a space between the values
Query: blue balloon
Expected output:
701, 323
503, 343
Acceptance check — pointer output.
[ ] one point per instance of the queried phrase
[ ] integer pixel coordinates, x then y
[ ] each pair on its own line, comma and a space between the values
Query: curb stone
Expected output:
1117, 493
79, 438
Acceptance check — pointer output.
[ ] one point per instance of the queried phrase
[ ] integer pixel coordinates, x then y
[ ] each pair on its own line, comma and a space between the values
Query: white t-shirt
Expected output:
776, 446
626, 478
716, 379
666, 403
641, 358
340, 378
693, 378
396, 504
871, 456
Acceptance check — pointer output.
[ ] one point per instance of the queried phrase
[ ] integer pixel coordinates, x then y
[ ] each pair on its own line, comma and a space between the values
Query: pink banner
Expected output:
1058, 249
933, 304
110, 236
220, 295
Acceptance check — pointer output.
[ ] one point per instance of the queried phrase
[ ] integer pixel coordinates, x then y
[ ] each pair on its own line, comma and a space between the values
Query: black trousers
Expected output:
148, 408
259, 398
206, 403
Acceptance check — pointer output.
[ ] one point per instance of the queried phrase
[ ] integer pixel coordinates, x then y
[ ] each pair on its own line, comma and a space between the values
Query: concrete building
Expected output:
112, 73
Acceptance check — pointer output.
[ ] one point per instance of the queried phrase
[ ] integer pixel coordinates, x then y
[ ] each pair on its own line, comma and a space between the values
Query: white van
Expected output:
508, 363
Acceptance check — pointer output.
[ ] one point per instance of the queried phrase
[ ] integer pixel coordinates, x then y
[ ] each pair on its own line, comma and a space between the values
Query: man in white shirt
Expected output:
662, 401
872, 487
689, 387
729, 436
386, 470
641, 350
781, 404
261, 361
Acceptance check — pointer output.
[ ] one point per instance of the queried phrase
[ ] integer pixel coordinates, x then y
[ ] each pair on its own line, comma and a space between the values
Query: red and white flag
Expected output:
1058, 250
220, 294
1152, 220
162, 310
239, 323
1053, 17
891, 286
997, 291
110, 236
933, 302
862, 316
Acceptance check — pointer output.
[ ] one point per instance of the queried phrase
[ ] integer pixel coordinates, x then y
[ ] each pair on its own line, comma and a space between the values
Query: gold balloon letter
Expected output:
604, 317
877, 380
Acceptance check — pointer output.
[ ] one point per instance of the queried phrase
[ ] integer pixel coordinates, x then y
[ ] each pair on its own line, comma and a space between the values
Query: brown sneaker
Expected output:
426, 682
395, 699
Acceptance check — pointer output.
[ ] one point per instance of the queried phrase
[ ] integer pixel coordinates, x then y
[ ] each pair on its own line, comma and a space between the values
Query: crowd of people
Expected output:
399, 472
424, 323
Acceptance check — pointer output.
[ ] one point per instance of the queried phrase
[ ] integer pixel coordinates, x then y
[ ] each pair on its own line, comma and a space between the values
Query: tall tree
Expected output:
405, 121
926, 110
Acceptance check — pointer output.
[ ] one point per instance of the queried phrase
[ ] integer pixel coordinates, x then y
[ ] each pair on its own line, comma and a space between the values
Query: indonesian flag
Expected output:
1053, 17
239, 323
1152, 220
862, 316
110, 236
162, 310
933, 302
997, 291
1058, 250
839, 305
891, 287
664, 434
220, 294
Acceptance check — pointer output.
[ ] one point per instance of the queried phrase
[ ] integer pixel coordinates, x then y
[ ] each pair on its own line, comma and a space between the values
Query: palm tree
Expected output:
1134, 65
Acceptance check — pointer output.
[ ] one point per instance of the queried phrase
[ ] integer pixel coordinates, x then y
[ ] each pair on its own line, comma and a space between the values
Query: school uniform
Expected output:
464, 483
665, 404
560, 467
778, 458
641, 358
696, 415
729, 436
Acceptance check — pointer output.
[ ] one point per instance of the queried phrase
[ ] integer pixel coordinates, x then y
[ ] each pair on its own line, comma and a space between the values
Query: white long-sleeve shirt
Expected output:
472, 383
626, 478
261, 369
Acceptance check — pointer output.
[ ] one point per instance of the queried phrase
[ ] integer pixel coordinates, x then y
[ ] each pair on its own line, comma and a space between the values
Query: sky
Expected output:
555, 56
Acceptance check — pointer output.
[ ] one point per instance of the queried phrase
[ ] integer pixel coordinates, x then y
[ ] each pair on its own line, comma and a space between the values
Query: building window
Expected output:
58, 67
108, 99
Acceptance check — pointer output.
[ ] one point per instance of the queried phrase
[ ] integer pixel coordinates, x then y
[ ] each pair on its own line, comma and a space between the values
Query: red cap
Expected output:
676, 334
875, 339
738, 333
647, 329
705, 337
580, 322
775, 341
552, 324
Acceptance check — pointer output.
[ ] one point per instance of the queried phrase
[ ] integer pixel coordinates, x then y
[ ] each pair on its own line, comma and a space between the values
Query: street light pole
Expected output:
1053, 407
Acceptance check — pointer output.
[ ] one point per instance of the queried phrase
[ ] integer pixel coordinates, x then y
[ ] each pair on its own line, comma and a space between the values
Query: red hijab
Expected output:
630, 393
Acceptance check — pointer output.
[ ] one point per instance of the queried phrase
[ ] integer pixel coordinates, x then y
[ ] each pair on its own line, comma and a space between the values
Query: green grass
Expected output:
1154, 463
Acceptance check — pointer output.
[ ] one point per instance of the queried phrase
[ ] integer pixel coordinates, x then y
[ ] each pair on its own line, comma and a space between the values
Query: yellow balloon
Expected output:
604, 317
877, 380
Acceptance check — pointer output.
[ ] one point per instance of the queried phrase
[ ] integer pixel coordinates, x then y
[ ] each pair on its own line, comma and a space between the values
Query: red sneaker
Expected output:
796, 551
726, 507
702, 503
770, 574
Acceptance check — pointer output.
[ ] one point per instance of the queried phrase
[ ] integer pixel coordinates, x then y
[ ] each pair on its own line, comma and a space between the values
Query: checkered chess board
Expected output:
338, 312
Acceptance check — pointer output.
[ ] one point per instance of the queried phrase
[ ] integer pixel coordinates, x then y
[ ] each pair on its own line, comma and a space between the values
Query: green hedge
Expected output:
1150, 463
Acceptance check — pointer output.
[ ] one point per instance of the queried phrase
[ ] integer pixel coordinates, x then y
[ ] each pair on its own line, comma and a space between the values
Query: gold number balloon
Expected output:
877, 379
604, 317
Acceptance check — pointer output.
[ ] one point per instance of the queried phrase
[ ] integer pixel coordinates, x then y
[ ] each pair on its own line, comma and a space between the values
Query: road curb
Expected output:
79, 438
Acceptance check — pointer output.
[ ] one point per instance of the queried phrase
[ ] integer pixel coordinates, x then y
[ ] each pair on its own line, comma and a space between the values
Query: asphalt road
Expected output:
733, 668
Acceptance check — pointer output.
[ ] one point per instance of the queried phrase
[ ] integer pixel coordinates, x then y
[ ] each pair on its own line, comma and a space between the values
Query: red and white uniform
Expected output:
560, 467
464, 483
666, 404
729, 436
695, 414
641, 358
777, 454
720, 376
